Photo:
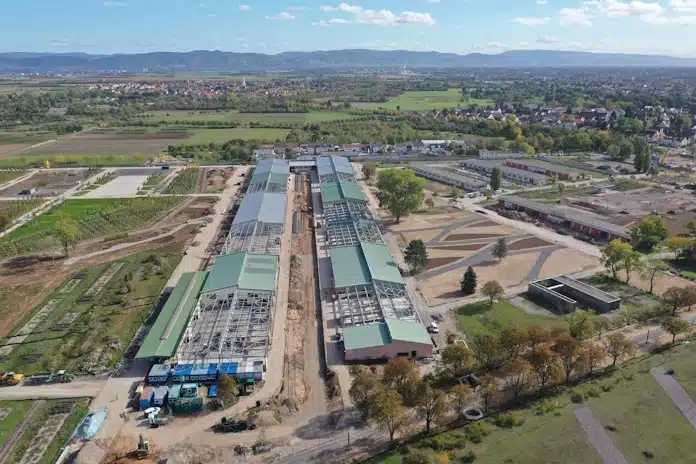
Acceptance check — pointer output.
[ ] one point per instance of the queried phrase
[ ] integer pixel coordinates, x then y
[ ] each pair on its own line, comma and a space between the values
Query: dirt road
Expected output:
76, 389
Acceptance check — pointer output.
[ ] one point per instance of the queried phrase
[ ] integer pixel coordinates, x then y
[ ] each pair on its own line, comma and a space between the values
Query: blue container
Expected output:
182, 372
159, 373
212, 391
146, 397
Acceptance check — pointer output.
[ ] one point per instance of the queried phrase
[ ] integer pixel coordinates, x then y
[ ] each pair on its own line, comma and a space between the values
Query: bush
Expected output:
577, 397
477, 432
508, 420
417, 456
669, 372
607, 388
547, 406
446, 442
468, 457
593, 392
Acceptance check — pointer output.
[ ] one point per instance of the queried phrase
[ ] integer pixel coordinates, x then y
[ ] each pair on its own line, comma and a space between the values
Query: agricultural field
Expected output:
225, 135
45, 430
93, 218
86, 324
266, 119
6, 176
631, 406
184, 183
123, 143
426, 100
15, 208
50, 183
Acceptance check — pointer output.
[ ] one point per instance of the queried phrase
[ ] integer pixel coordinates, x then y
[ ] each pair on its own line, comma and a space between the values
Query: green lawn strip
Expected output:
184, 182
8, 425
325, 116
481, 318
428, 100
229, 116
225, 135
685, 373
646, 419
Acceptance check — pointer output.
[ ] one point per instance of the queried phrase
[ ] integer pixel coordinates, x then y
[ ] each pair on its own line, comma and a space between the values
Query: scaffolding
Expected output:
328, 178
254, 237
230, 325
266, 186
356, 305
344, 176
394, 301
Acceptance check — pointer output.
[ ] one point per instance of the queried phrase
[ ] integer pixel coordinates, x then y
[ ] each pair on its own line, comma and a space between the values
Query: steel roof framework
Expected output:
352, 233
344, 176
328, 178
357, 305
266, 186
394, 301
254, 237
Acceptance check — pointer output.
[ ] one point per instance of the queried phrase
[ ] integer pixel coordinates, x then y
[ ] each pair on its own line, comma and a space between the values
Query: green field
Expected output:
28, 138
324, 116
480, 318
267, 119
18, 410
426, 100
102, 326
225, 135
184, 183
94, 217
16, 208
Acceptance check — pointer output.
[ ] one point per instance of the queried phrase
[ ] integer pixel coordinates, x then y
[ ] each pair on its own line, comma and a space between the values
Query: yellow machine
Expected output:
10, 378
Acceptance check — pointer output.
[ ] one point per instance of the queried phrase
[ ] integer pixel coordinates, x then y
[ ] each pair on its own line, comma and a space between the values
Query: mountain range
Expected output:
353, 59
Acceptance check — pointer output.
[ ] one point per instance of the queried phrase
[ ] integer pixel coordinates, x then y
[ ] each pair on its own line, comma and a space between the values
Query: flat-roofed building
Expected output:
386, 340
452, 178
511, 174
566, 294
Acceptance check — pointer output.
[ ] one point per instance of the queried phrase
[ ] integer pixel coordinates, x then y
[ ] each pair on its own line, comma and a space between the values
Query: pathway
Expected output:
74, 389
681, 398
598, 437
541, 260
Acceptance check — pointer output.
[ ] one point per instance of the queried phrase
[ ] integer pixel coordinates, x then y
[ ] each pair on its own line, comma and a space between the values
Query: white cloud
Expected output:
379, 18
575, 17
616, 8
532, 21
111, 4
684, 20
548, 39
542, 2
244, 7
283, 16
432, 1
683, 6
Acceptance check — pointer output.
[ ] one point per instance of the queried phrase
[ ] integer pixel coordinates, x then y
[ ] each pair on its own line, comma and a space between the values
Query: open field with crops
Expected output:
269, 119
91, 218
15, 208
144, 143
185, 182
85, 325
225, 135
6, 176
426, 100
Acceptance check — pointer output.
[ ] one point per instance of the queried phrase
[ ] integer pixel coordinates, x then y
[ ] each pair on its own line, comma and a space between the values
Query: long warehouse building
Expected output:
370, 302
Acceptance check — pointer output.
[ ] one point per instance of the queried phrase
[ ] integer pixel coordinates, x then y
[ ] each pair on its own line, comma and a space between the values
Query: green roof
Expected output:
165, 334
349, 266
413, 332
363, 263
381, 263
337, 191
365, 336
244, 270
270, 177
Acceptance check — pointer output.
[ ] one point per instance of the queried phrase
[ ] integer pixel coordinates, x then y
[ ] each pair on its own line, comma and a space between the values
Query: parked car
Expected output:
434, 328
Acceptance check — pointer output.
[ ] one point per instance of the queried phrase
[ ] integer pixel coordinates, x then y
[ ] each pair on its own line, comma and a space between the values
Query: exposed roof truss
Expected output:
254, 237
356, 305
394, 301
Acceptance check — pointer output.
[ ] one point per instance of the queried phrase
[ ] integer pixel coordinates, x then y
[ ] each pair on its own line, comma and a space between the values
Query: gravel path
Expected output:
541, 260
598, 437
681, 398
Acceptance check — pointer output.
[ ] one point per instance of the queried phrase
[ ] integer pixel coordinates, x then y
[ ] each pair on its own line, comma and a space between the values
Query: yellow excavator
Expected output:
11, 378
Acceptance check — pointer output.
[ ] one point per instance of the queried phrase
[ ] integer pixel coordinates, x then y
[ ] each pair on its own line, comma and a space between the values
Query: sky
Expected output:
273, 26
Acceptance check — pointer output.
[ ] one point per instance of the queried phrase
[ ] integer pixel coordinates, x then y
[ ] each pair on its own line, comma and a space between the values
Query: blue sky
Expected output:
272, 26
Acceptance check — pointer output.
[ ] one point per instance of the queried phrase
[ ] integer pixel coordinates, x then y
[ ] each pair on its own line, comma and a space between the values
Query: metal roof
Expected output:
365, 336
468, 182
575, 216
244, 270
505, 170
337, 191
405, 331
334, 164
166, 332
361, 264
270, 177
262, 206
277, 166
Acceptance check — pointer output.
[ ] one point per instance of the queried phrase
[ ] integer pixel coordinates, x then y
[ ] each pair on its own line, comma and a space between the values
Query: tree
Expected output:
363, 391
468, 282
500, 249
650, 232
561, 188
613, 255
519, 376
617, 346
5, 221
459, 398
496, 178
227, 388
680, 245
492, 289
389, 411
456, 358
401, 375
591, 357
568, 350
675, 326
416, 255
625, 150
400, 191
688, 297
511, 341
486, 349
66, 232
369, 170
580, 326
430, 404
546, 366
488, 390
674, 297
632, 262
536, 335
651, 268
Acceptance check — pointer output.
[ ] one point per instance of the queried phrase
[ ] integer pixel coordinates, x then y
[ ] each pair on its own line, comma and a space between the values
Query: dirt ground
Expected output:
527, 243
426, 221
216, 178
199, 208
567, 261
50, 183
110, 144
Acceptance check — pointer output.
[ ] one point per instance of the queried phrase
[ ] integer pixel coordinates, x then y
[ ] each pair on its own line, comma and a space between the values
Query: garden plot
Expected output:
120, 187
58, 415
28, 328
99, 285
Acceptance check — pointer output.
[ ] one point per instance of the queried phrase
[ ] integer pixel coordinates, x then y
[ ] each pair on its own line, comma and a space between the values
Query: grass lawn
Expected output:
18, 410
427, 100
30, 138
225, 135
247, 118
324, 116
481, 318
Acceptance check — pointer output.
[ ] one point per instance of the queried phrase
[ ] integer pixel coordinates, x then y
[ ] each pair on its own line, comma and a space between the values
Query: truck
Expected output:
53, 377
11, 378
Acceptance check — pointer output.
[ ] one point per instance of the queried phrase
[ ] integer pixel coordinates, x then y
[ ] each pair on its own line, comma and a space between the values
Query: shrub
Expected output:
417, 456
629, 377
577, 397
593, 392
468, 457
477, 432
669, 372
508, 420
446, 442
547, 406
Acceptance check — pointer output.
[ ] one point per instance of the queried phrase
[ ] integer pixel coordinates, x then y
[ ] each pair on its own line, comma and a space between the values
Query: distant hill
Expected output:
329, 60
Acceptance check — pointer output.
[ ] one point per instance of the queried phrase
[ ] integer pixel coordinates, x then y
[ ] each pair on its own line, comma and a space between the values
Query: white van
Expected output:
434, 328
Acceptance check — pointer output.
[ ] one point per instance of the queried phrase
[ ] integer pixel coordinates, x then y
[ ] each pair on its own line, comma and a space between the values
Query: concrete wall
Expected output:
557, 300
390, 351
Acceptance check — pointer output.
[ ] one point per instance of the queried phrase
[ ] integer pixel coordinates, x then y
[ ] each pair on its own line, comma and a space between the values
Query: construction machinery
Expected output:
11, 378
53, 377
155, 419
143, 449
230, 425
